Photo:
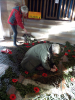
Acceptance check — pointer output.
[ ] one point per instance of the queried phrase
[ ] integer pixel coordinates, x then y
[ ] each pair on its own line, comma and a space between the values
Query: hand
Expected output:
25, 30
53, 70
54, 67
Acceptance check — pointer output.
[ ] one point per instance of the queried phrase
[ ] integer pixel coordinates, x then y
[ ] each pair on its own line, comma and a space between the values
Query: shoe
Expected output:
18, 43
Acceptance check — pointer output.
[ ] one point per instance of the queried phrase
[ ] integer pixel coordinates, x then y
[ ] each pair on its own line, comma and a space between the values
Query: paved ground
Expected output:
5, 60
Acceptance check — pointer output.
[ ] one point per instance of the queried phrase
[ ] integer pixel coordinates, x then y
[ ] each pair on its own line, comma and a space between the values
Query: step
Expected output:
51, 30
40, 35
46, 22
59, 29
58, 39
61, 41
38, 25
49, 24
34, 29
55, 39
63, 38
70, 34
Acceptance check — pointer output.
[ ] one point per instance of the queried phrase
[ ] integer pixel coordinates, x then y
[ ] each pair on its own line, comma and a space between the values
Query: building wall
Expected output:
6, 7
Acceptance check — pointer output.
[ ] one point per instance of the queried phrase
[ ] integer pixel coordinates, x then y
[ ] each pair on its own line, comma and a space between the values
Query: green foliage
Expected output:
3, 95
71, 60
29, 88
20, 87
27, 75
11, 58
19, 54
9, 74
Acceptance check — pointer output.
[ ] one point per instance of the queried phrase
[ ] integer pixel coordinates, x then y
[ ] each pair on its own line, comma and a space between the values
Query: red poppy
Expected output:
26, 72
6, 51
44, 41
74, 50
12, 97
32, 43
36, 89
26, 43
73, 79
38, 42
56, 69
10, 52
27, 46
14, 80
44, 75
73, 56
65, 46
66, 54
69, 50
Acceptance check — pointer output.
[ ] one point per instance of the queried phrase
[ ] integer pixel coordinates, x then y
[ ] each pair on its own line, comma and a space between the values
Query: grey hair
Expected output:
56, 48
24, 9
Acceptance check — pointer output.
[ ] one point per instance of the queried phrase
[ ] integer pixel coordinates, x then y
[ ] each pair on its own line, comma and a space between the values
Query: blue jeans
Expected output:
14, 28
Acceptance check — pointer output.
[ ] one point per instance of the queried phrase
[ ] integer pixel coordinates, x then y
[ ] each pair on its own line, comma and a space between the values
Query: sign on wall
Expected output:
34, 15
57, 1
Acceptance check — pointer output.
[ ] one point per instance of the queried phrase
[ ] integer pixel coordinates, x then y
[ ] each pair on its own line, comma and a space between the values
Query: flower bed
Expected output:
43, 76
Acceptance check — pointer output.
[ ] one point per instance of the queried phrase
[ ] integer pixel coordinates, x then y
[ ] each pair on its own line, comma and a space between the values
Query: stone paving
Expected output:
5, 61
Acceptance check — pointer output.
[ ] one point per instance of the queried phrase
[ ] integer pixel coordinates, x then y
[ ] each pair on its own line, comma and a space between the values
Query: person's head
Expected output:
24, 9
55, 49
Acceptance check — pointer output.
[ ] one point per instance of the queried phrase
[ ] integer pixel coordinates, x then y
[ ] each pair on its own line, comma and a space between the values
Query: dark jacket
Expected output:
38, 54
15, 17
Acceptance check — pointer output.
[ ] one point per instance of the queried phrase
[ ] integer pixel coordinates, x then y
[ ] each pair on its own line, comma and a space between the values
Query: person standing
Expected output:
14, 19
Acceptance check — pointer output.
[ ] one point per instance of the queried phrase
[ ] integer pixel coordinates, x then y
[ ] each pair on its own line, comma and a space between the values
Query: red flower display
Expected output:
74, 50
26, 43
73, 79
10, 52
26, 72
36, 89
56, 69
14, 80
66, 54
32, 43
12, 97
6, 51
65, 46
44, 41
69, 50
38, 42
73, 56
27, 46
44, 75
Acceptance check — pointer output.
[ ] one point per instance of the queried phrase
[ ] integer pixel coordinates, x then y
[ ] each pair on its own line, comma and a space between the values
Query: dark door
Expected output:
52, 9
67, 9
